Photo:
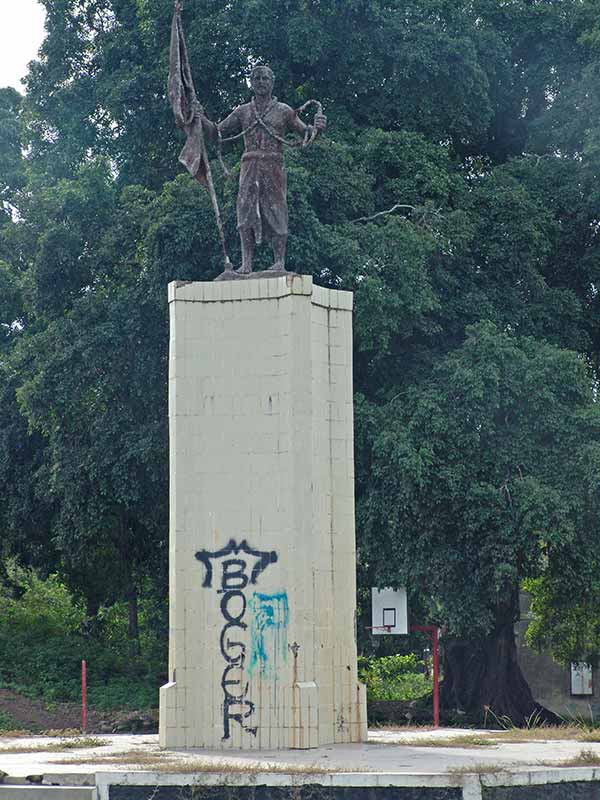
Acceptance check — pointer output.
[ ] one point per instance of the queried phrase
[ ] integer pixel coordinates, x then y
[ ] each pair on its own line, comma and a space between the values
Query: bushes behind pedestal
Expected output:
45, 633
398, 677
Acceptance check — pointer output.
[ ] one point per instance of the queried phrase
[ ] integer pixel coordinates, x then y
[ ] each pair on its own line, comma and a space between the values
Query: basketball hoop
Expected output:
386, 628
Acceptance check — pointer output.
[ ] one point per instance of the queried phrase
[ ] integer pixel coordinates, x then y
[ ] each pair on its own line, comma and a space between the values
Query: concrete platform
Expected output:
387, 768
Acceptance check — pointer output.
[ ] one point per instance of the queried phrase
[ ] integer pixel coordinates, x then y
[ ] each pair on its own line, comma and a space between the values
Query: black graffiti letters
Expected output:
228, 715
262, 560
233, 606
236, 575
227, 682
228, 645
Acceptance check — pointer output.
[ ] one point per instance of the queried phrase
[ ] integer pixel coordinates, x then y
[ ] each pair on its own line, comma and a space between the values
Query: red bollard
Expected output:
434, 632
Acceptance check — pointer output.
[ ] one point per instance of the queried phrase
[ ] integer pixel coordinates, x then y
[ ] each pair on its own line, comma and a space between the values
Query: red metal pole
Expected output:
436, 677
434, 632
83, 696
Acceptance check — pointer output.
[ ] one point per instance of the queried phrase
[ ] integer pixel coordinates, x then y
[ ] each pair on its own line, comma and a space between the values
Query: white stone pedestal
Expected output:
262, 546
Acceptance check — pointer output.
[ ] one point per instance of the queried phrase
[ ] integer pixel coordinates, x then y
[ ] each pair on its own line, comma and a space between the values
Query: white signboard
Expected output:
581, 678
389, 611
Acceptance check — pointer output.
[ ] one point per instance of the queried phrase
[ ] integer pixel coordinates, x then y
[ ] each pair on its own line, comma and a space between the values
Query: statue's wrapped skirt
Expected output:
262, 204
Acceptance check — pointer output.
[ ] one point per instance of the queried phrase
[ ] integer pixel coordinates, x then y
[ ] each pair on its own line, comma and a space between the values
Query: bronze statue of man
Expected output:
262, 211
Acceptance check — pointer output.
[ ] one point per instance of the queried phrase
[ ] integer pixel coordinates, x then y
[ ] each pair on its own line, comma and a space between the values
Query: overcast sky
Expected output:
21, 34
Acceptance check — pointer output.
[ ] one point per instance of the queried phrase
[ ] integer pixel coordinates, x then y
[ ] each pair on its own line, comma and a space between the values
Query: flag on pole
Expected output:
185, 105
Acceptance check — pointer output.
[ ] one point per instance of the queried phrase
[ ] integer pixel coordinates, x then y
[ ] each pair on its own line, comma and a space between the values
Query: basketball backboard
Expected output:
389, 611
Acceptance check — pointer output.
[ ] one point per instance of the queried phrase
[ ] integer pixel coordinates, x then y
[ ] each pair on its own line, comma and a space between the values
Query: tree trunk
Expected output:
126, 547
484, 680
92, 606
133, 628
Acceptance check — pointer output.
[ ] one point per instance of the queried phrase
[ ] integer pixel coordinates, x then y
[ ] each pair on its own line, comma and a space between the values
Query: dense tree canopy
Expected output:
456, 193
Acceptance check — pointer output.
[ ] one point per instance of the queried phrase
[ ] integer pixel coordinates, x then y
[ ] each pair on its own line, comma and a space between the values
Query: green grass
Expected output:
467, 741
119, 693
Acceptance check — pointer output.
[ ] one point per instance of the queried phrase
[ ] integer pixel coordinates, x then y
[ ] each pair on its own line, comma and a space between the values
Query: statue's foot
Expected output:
244, 270
278, 266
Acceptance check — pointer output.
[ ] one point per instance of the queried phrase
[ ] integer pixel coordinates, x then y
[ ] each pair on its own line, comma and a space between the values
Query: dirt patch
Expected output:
36, 716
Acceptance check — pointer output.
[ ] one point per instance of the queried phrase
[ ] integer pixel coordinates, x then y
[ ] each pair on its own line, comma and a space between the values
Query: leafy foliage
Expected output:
483, 467
562, 620
394, 678
476, 302
45, 621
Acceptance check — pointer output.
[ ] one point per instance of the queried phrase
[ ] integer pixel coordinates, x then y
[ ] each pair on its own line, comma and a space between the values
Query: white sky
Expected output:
21, 34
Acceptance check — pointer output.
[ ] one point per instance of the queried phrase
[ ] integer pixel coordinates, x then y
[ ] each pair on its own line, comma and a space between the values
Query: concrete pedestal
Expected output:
262, 545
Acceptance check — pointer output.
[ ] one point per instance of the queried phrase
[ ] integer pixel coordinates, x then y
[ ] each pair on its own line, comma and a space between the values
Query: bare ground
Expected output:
37, 716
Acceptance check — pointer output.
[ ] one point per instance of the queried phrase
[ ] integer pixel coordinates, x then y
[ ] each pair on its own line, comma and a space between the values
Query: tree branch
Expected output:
385, 213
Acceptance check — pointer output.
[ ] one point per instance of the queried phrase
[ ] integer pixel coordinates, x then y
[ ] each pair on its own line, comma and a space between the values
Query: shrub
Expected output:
44, 609
394, 678
44, 637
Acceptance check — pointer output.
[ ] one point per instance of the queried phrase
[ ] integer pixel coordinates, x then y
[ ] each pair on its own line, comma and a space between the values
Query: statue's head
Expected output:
262, 79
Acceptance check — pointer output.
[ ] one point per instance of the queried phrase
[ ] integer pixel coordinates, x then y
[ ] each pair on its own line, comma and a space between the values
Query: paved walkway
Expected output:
386, 752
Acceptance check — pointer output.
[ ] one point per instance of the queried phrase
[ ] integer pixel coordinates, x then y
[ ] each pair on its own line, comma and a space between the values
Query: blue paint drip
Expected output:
268, 633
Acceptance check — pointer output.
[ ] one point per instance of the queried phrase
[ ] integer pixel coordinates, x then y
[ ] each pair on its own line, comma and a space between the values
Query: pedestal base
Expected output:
262, 550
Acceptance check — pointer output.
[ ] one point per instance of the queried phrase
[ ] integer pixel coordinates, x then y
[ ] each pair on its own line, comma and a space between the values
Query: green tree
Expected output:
483, 475
457, 187
11, 159
25, 510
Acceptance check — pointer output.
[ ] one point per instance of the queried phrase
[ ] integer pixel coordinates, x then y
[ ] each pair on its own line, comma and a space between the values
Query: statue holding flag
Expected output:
263, 124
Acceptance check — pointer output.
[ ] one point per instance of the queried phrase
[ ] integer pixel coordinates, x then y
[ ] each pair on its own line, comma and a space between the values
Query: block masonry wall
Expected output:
262, 543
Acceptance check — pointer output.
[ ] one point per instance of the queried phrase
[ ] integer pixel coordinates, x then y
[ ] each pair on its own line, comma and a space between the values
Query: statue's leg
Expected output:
279, 245
248, 243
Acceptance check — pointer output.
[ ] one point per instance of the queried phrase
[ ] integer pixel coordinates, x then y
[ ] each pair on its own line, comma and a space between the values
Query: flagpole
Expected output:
228, 266
215, 204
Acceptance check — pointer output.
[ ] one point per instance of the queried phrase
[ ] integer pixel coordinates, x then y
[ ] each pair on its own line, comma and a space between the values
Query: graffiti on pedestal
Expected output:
268, 633
240, 567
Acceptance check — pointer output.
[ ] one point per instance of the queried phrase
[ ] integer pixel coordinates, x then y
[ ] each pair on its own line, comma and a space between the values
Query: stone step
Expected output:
19, 792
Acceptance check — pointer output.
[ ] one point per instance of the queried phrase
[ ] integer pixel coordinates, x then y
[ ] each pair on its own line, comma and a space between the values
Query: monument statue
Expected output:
263, 123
